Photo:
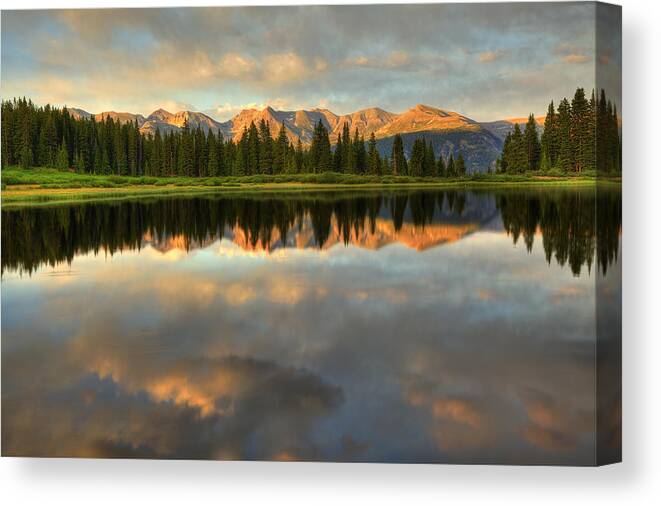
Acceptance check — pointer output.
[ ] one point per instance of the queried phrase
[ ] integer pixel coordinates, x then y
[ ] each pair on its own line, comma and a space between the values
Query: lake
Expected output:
390, 326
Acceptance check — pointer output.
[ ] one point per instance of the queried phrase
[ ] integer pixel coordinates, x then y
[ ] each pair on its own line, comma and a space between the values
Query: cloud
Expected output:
457, 410
217, 407
397, 59
551, 426
125, 59
285, 67
392, 60
358, 61
576, 58
236, 65
572, 53
491, 56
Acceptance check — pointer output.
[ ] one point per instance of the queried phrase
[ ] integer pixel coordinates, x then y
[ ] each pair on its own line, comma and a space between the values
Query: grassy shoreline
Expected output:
46, 186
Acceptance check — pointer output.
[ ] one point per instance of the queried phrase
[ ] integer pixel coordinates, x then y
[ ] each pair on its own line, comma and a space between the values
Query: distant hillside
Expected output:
480, 148
449, 131
502, 127
122, 117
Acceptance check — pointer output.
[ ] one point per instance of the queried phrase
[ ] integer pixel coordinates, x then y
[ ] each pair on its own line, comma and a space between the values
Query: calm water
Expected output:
397, 327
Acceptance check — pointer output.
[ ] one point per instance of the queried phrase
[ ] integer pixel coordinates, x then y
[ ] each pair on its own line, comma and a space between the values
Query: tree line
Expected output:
583, 135
51, 137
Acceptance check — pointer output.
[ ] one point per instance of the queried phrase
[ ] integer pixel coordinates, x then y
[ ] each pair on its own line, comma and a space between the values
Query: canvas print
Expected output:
357, 233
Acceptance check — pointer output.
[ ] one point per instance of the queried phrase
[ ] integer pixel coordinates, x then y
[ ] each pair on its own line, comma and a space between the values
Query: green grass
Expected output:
44, 185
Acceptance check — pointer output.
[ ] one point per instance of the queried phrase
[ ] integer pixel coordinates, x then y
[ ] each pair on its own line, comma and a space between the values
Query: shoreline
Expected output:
43, 186
29, 195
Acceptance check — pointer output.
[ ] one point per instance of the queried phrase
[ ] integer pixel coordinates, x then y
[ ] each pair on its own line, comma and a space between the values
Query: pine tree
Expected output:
549, 143
615, 142
120, 151
26, 159
290, 163
348, 160
220, 155
253, 150
517, 157
460, 165
397, 158
320, 152
299, 158
7, 134
280, 149
213, 165
579, 130
532, 145
157, 155
450, 168
590, 151
62, 162
187, 153
359, 153
200, 154
98, 160
48, 141
603, 132
374, 161
565, 160
265, 148
441, 171
241, 156
417, 157
429, 164
385, 166
105, 163
503, 166
132, 148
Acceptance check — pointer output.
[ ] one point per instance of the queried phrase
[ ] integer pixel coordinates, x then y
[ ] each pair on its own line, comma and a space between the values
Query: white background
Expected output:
636, 481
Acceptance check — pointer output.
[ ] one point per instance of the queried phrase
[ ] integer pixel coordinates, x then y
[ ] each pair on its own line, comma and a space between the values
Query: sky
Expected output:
487, 61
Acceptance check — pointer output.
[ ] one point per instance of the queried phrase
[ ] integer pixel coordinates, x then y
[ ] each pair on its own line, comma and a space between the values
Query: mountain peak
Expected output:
161, 112
78, 113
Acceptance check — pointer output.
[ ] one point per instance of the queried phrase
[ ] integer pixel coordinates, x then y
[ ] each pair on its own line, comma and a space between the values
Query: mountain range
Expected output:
448, 131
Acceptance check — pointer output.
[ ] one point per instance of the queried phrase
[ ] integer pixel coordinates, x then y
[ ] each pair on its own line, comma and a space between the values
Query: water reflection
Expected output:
405, 327
566, 220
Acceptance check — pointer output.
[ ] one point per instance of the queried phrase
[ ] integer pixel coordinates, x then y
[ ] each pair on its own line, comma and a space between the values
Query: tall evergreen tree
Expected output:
374, 161
62, 162
280, 149
417, 160
579, 131
348, 159
360, 154
320, 151
265, 148
440, 167
565, 160
397, 158
532, 145
429, 164
450, 168
213, 162
460, 165
549, 142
